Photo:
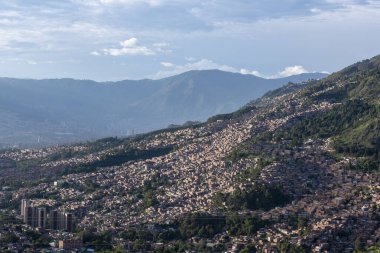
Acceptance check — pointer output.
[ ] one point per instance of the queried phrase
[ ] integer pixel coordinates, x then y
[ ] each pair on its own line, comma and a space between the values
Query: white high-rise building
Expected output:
24, 204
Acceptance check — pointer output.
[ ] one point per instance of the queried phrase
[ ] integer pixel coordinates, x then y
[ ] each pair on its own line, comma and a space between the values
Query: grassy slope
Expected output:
353, 125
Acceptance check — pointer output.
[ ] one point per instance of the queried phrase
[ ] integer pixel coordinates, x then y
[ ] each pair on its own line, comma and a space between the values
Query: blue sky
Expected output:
134, 39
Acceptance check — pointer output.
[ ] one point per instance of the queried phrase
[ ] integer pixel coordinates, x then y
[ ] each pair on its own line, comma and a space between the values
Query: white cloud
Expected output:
250, 72
129, 51
19, 61
96, 53
291, 71
190, 59
129, 47
161, 44
342, 2
315, 10
95, 3
128, 2
204, 64
167, 64
162, 47
132, 42
288, 71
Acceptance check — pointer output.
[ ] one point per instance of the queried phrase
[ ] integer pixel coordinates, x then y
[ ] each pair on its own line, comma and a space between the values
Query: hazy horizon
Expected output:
156, 79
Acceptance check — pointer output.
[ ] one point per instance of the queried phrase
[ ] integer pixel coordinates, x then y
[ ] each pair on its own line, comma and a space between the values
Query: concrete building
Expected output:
24, 203
61, 220
41, 217
37, 217
70, 244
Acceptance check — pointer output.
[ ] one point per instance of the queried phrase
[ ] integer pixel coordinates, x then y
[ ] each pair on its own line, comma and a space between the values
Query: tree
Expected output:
248, 249
360, 244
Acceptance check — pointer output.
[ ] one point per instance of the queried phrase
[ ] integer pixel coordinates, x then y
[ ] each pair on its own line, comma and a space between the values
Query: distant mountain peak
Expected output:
89, 109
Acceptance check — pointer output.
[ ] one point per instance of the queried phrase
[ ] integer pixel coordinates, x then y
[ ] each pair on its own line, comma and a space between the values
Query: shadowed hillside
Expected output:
53, 111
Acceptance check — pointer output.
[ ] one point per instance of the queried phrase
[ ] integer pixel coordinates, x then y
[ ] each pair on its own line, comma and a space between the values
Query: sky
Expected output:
109, 40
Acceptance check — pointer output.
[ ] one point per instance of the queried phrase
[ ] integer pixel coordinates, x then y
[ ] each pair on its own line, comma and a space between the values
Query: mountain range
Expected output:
53, 111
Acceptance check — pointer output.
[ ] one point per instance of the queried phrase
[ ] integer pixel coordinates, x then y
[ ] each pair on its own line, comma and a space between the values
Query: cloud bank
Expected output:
206, 64
129, 47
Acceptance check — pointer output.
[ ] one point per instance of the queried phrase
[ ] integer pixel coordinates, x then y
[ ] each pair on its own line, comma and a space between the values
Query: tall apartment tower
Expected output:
69, 222
29, 215
24, 203
61, 220
36, 217
53, 218
41, 217
33, 216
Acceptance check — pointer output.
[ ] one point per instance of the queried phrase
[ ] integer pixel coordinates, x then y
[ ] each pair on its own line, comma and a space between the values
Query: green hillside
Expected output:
356, 120
352, 125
